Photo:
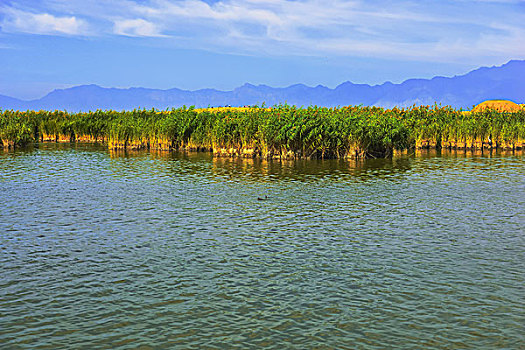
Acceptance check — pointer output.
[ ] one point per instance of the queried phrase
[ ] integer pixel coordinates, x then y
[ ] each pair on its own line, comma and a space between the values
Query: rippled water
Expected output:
157, 250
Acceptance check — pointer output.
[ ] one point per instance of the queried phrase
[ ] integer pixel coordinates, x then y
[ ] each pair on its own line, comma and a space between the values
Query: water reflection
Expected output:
307, 170
156, 249
264, 170
247, 169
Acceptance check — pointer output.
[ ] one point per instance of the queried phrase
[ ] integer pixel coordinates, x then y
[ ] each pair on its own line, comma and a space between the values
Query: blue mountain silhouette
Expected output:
500, 82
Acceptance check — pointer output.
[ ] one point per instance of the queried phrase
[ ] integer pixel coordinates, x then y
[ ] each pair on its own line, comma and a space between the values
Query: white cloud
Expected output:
136, 27
445, 31
407, 29
42, 23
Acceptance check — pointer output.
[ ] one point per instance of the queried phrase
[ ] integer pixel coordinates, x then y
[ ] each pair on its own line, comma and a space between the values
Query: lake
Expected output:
148, 250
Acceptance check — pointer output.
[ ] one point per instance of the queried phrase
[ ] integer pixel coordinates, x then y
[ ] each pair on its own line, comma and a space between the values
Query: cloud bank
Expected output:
445, 31
41, 23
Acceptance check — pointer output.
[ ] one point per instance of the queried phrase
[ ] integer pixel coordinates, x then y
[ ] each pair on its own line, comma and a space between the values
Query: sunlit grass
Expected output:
281, 131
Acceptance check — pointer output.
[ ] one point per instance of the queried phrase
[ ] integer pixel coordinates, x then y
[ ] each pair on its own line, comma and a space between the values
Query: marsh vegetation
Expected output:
279, 132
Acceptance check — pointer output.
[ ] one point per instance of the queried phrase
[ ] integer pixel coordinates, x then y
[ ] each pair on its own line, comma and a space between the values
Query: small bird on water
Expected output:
262, 198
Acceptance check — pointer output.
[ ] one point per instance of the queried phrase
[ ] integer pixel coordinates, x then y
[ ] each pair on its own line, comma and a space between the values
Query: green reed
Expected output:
281, 131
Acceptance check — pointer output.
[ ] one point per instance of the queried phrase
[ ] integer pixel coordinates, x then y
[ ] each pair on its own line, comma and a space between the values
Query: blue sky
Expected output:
192, 44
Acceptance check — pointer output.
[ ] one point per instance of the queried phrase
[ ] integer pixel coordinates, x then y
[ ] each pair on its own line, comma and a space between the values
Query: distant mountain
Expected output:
502, 82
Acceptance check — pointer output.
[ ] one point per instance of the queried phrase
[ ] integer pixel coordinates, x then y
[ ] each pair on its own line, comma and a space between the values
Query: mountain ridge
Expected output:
461, 91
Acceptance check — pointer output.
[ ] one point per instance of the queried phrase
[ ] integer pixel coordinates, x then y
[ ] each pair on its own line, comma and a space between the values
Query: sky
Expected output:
194, 44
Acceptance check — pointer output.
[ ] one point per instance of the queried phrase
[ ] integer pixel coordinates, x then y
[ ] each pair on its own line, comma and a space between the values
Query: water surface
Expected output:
162, 250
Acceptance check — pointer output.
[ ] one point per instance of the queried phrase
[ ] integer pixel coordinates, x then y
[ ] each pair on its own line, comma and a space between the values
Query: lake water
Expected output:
163, 250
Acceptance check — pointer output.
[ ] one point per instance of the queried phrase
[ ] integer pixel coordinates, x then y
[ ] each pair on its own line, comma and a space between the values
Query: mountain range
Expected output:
499, 82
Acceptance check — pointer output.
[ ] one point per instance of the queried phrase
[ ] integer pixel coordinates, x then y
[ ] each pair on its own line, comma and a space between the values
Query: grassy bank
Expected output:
279, 132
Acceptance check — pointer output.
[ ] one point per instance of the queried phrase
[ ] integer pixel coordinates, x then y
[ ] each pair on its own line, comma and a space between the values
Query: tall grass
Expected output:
282, 131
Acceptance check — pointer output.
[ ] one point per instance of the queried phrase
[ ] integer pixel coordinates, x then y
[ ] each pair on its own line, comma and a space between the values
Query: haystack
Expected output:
498, 105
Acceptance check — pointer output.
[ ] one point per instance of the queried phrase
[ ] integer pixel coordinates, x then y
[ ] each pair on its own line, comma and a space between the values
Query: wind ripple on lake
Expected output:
104, 250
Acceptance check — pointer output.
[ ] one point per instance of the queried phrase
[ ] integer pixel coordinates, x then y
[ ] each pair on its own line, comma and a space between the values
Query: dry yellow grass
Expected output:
222, 109
498, 105
216, 109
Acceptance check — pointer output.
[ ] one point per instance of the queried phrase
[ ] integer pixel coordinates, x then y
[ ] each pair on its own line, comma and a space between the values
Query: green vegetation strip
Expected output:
283, 131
